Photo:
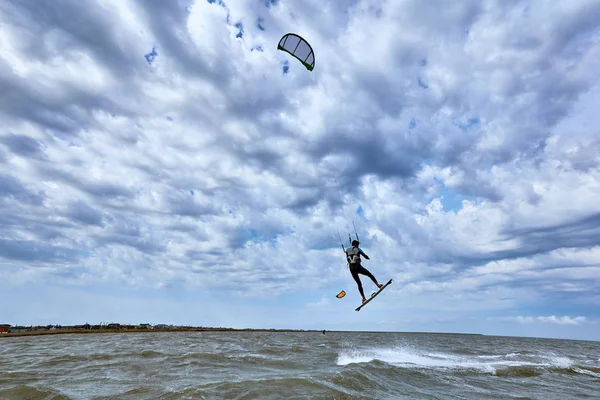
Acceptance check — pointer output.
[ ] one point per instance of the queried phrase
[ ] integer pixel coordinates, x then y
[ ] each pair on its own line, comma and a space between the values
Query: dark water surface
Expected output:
296, 365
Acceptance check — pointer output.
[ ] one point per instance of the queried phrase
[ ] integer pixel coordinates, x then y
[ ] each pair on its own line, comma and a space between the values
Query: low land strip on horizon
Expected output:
116, 328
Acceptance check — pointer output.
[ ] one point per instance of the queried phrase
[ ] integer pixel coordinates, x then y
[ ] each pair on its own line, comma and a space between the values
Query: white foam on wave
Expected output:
586, 372
410, 357
559, 361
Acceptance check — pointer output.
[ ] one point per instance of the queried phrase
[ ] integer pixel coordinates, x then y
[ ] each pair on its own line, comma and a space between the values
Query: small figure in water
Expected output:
353, 254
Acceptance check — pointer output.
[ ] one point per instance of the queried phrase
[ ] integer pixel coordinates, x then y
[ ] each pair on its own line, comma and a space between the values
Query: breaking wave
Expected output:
522, 364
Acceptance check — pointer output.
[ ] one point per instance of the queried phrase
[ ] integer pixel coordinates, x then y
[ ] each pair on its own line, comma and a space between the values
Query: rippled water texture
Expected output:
303, 365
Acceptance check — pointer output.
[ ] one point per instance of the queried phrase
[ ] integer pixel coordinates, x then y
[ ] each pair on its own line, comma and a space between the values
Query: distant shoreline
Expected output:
203, 329
142, 330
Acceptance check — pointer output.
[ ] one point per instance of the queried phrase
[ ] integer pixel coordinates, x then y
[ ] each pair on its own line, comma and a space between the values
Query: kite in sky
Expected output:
299, 48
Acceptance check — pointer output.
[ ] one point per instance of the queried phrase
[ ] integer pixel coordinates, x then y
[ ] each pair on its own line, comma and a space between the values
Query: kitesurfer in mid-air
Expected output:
353, 254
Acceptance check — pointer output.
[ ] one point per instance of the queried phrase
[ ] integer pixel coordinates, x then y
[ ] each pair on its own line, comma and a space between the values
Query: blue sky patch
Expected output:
360, 211
464, 126
151, 56
451, 199
273, 241
412, 124
240, 30
253, 235
422, 84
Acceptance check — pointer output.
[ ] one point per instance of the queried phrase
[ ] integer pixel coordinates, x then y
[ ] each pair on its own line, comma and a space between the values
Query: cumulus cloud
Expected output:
170, 144
564, 320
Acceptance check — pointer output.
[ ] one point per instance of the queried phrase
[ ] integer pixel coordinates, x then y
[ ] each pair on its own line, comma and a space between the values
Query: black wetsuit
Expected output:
357, 268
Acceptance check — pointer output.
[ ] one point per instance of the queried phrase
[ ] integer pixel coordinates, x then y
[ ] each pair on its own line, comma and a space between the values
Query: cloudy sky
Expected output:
163, 162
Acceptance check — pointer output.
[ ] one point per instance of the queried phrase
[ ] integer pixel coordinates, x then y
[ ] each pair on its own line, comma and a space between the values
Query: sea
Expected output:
296, 365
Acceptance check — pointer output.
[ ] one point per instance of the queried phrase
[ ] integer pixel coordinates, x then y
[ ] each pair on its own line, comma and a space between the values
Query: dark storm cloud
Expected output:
582, 233
578, 233
142, 244
187, 228
585, 158
260, 157
65, 117
36, 221
81, 212
12, 188
32, 251
74, 24
573, 33
371, 153
97, 189
479, 188
123, 230
208, 255
186, 205
22, 145
64, 108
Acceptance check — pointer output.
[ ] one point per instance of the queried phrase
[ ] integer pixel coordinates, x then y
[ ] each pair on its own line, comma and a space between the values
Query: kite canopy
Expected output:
299, 48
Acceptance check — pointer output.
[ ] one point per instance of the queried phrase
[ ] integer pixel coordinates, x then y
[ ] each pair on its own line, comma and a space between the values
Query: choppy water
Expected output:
303, 365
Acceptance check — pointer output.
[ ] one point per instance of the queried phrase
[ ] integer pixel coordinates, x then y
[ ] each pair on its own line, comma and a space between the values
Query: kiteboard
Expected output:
373, 296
